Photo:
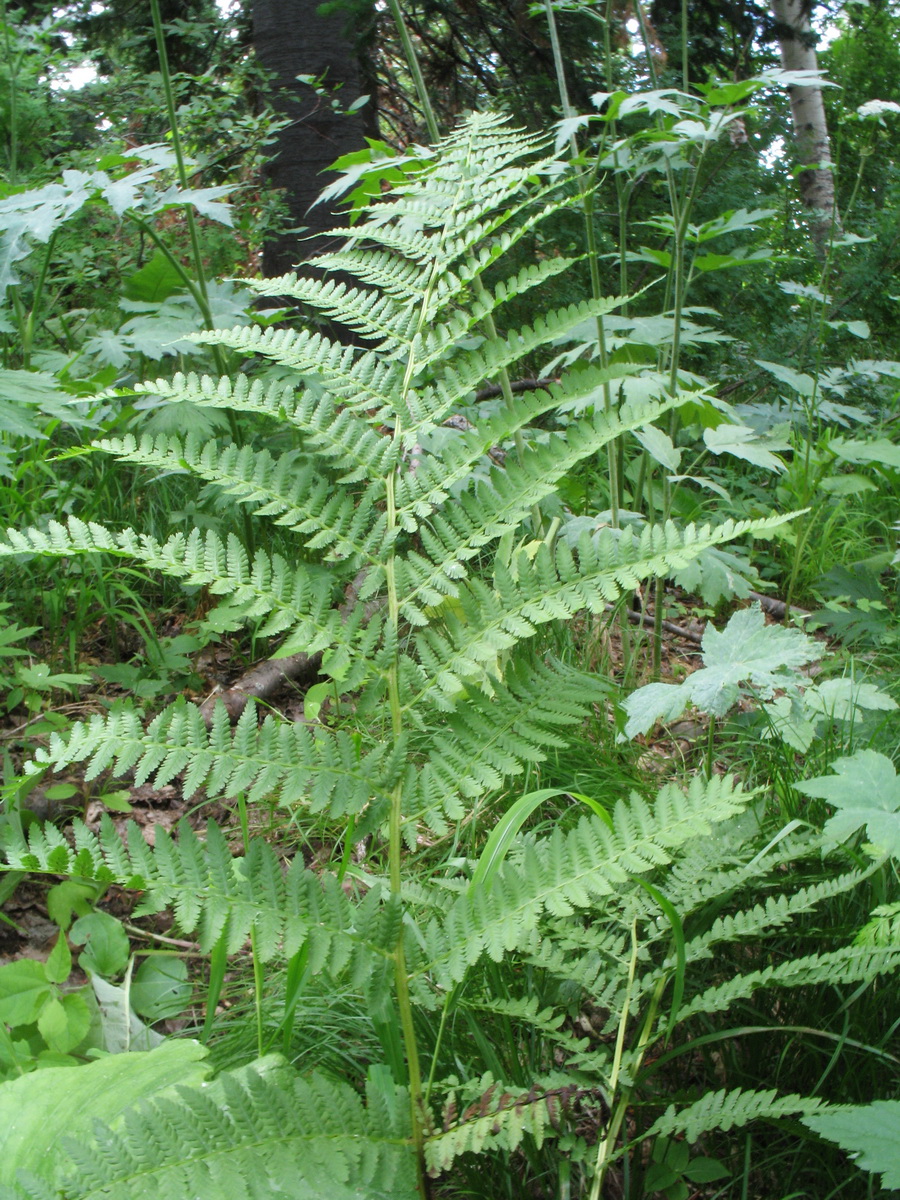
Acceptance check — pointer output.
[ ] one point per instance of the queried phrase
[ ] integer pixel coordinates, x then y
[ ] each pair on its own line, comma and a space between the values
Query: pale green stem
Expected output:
587, 194
181, 167
14, 61
685, 66
412, 61
258, 977
616, 1110
619, 1104
198, 290
395, 823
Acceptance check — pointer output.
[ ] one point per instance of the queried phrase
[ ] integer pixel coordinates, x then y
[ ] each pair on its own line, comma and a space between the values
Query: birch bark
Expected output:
796, 40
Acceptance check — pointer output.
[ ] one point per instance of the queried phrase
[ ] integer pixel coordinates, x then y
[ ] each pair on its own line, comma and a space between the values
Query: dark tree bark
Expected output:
292, 38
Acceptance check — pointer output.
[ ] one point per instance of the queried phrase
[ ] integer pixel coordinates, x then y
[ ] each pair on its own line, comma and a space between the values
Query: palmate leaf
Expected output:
745, 651
864, 791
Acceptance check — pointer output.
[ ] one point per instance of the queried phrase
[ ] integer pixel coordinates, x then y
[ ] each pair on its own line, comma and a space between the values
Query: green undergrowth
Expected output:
510, 910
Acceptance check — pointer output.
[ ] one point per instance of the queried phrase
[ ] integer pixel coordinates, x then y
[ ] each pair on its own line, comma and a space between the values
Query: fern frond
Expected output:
215, 895
553, 586
286, 489
500, 1119
248, 1135
488, 741
726, 1110
276, 759
565, 872
346, 440
496, 505
266, 590
850, 964
429, 351
774, 913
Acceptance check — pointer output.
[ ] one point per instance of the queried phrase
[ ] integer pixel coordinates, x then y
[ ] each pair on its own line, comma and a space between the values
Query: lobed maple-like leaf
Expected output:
864, 791
746, 651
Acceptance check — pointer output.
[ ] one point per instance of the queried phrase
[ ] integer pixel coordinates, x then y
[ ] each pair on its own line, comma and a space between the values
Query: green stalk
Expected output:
198, 289
619, 1104
258, 978
181, 168
14, 61
395, 846
412, 61
615, 448
685, 66
587, 195
28, 325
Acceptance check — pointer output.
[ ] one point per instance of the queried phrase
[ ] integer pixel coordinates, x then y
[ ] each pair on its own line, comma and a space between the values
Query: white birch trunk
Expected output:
816, 178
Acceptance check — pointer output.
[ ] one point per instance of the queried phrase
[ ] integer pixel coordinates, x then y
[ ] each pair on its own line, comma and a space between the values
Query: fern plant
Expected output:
455, 572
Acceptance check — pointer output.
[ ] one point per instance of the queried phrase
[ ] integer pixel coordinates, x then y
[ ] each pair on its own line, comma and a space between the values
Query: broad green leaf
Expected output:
58, 966
68, 898
106, 948
743, 442
879, 451
718, 575
207, 202
840, 698
64, 1022
870, 1133
847, 485
155, 281
659, 446
721, 262
802, 384
122, 1031
160, 987
23, 989
655, 702
730, 222
864, 791
38, 1109
747, 650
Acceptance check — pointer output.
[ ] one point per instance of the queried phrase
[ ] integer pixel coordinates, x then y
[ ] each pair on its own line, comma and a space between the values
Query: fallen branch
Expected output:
261, 683
490, 390
648, 620
776, 608
266, 678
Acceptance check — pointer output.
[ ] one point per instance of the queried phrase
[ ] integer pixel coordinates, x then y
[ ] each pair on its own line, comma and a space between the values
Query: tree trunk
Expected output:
292, 38
796, 40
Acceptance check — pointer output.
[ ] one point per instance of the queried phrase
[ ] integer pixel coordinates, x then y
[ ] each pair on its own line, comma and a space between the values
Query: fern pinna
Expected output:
457, 573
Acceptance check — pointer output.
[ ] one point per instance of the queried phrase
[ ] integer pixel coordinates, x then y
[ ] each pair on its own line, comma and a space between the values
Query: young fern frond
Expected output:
569, 871
729, 1110
850, 964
